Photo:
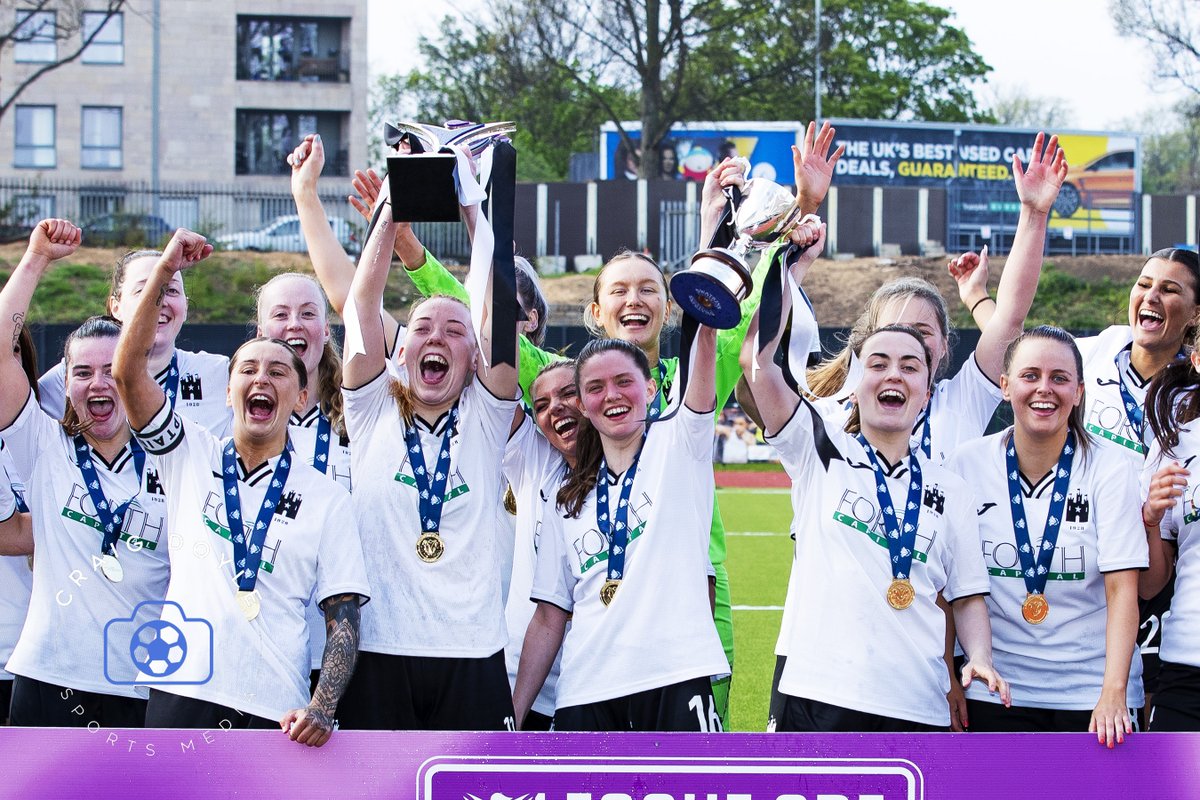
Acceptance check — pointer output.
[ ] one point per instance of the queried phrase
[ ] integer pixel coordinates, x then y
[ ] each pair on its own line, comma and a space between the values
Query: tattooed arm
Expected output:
51, 240
313, 725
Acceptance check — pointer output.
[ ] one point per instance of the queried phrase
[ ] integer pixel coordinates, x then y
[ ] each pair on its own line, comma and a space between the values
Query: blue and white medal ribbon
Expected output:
926, 435
431, 493
615, 526
1035, 569
321, 451
171, 382
901, 528
110, 515
1133, 409
247, 555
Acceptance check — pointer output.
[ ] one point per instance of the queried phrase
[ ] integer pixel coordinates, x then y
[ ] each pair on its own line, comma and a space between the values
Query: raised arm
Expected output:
502, 380
813, 166
408, 247
775, 400
367, 291
729, 172
334, 268
970, 272
51, 240
140, 393
313, 725
1037, 188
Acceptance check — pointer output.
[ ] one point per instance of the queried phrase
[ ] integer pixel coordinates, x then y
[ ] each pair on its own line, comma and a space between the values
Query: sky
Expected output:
1067, 49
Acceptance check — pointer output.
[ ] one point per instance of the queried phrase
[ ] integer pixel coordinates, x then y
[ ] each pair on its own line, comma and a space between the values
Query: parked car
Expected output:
127, 230
283, 234
1104, 182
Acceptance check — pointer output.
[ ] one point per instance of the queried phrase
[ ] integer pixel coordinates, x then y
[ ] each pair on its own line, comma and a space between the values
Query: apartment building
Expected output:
175, 97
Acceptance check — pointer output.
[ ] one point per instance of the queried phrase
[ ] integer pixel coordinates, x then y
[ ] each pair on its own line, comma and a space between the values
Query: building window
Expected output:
30, 209
292, 49
265, 138
101, 138
35, 37
108, 46
33, 142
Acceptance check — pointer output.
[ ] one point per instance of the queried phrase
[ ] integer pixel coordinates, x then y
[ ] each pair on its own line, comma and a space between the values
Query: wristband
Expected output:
977, 302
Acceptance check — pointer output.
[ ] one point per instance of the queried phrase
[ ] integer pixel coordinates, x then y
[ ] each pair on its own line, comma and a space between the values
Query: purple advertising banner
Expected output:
181, 765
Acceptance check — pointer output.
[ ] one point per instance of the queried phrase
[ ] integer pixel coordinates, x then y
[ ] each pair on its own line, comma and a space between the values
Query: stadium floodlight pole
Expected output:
817, 50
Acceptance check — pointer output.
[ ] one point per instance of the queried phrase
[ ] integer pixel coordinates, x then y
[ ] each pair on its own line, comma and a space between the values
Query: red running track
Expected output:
753, 480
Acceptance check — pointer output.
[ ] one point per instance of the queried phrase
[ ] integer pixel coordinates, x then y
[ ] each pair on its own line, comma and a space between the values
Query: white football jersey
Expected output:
1058, 664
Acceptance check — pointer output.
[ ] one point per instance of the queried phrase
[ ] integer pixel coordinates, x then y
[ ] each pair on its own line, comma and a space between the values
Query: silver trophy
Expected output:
712, 288
422, 176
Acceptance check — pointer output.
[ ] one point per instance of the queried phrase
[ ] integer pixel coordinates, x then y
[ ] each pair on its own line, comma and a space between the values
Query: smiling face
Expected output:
264, 389
556, 408
439, 353
171, 315
1043, 384
631, 302
615, 394
1162, 304
919, 313
91, 390
292, 308
895, 384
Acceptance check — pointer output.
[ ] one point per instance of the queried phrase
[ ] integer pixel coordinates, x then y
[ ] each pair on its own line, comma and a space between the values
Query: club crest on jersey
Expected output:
935, 499
1078, 507
153, 484
190, 387
289, 504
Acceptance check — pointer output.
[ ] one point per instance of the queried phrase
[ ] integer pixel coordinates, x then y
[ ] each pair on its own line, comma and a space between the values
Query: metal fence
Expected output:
136, 214
678, 233
1082, 222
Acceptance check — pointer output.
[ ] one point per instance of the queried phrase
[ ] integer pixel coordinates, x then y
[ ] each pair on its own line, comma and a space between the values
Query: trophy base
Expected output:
711, 291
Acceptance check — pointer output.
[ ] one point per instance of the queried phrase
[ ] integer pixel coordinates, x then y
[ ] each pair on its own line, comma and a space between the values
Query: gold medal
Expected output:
249, 603
900, 593
430, 547
1035, 609
111, 568
608, 591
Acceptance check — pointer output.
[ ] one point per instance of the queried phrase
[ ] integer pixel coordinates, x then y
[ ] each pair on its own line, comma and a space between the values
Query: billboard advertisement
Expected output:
691, 150
976, 162
973, 161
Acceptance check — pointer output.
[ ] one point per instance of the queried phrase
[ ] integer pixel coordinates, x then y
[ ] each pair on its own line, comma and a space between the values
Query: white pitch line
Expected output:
758, 608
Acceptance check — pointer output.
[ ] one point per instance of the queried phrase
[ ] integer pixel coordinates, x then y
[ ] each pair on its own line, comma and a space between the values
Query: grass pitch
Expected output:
759, 559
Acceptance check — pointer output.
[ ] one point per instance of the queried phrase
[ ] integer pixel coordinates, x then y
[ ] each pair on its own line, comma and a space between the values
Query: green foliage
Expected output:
491, 73
1171, 156
1070, 302
559, 69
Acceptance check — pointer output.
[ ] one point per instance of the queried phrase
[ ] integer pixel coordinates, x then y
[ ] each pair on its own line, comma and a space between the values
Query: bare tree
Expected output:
641, 46
1172, 30
43, 21
1018, 107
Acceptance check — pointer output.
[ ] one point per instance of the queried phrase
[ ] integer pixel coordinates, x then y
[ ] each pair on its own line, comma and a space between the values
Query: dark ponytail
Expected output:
1172, 401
